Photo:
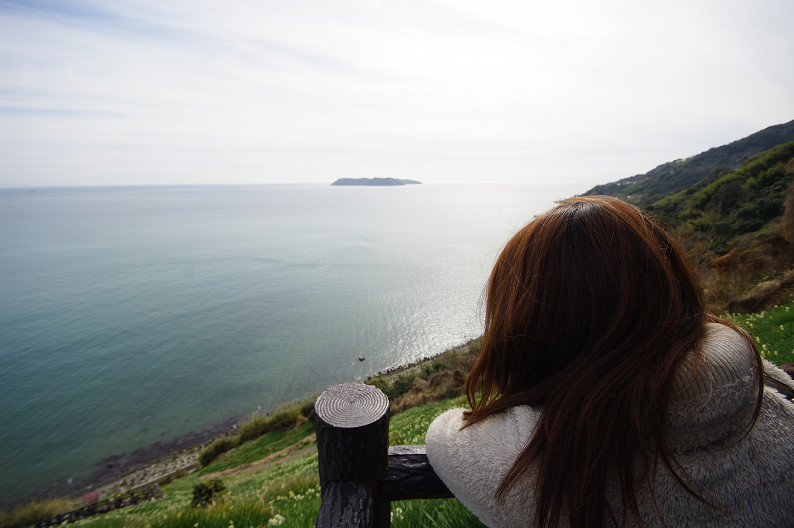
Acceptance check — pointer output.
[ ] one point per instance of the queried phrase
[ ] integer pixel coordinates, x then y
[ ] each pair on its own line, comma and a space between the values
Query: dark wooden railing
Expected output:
359, 473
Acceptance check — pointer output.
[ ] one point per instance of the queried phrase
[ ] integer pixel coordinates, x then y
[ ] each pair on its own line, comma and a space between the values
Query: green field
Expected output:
773, 331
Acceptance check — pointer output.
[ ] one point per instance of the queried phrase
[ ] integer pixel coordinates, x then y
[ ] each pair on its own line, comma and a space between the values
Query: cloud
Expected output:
206, 92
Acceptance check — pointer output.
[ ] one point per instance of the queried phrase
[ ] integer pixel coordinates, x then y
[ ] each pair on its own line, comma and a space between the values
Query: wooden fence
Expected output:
359, 473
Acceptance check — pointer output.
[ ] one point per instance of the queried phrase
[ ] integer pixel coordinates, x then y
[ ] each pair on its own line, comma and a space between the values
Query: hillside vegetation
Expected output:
736, 226
735, 204
672, 177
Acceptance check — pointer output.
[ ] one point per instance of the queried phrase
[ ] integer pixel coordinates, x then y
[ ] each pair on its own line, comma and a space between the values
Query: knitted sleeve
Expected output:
778, 380
473, 461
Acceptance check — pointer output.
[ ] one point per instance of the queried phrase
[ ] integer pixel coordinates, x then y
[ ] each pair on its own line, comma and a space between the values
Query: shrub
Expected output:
380, 383
217, 448
283, 418
307, 408
254, 428
205, 492
434, 366
401, 385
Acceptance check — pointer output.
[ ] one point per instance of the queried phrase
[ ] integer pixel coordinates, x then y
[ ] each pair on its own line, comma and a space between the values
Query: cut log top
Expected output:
351, 405
359, 473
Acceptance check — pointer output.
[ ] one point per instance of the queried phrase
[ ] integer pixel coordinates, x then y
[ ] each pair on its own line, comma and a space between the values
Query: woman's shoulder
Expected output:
724, 358
498, 437
514, 424
741, 459
727, 356
717, 387
515, 417
715, 396
472, 461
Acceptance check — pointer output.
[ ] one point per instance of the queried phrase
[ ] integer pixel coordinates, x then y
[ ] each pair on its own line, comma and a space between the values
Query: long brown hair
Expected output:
590, 311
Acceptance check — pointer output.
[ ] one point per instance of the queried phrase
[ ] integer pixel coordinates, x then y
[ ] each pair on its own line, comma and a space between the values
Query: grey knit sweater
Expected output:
750, 478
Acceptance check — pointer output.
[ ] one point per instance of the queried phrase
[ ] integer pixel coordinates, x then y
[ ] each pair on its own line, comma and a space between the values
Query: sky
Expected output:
134, 92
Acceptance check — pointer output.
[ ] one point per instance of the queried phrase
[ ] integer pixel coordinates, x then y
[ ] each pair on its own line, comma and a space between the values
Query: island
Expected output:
374, 181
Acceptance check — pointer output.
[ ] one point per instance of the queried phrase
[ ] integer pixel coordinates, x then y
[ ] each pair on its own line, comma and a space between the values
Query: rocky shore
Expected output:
162, 462
126, 472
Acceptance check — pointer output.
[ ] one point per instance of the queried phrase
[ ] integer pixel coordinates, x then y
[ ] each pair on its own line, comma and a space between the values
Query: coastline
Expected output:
127, 471
164, 461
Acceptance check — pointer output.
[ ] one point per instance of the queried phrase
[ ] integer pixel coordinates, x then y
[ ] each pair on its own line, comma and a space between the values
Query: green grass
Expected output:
441, 513
409, 427
773, 331
257, 449
286, 493
288, 490
285, 418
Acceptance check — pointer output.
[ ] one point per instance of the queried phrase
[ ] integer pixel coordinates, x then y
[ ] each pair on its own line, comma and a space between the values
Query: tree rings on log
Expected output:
351, 405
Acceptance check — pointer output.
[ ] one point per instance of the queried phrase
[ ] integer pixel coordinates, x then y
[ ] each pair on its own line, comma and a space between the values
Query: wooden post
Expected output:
352, 426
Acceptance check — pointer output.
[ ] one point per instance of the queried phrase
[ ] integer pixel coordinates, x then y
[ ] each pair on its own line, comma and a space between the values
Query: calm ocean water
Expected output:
136, 315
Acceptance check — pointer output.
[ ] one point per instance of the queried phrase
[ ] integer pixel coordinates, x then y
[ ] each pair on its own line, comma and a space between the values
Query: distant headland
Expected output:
374, 181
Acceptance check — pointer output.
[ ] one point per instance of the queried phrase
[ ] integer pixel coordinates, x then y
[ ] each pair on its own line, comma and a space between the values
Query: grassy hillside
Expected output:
738, 203
773, 331
283, 490
738, 229
737, 226
670, 178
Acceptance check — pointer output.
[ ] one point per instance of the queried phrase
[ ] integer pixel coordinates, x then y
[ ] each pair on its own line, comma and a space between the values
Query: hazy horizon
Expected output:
240, 92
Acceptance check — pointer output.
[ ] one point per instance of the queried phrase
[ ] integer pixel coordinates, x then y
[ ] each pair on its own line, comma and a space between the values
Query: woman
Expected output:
606, 395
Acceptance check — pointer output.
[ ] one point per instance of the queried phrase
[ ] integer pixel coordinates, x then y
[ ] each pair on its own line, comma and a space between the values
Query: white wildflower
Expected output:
276, 520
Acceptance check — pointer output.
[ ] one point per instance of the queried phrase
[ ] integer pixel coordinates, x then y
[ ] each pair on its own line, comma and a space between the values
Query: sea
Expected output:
131, 316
